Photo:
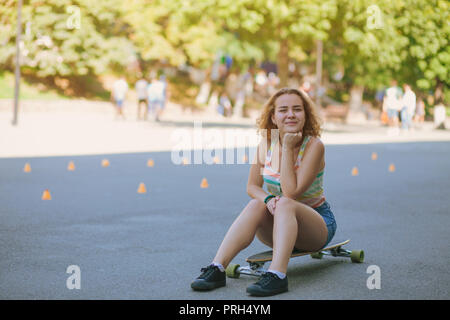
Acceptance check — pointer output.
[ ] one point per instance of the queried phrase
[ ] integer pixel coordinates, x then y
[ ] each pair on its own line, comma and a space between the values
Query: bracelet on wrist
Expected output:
268, 198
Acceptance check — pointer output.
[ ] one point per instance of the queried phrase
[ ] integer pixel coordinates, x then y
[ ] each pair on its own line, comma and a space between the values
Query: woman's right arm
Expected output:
255, 178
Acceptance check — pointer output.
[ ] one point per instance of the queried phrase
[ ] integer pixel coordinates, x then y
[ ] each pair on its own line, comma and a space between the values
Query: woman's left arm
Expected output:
295, 182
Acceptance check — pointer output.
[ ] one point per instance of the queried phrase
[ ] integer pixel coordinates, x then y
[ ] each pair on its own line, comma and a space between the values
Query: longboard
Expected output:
257, 261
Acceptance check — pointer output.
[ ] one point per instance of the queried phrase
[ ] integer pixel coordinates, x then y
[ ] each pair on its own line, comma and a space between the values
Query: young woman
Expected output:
294, 212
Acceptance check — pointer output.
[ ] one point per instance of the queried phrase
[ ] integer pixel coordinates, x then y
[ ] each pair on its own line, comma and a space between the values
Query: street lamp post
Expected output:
319, 72
17, 71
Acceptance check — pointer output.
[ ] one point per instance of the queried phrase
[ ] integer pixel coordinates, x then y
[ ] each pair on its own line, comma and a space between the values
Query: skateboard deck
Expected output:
257, 261
267, 255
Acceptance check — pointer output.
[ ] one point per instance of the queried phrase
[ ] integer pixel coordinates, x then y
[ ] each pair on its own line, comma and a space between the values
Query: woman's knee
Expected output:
255, 208
285, 206
256, 203
259, 210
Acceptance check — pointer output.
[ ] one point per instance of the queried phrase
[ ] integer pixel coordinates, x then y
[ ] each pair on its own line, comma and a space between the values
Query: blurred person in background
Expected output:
163, 80
306, 87
408, 107
156, 94
120, 88
225, 107
141, 93
261, 82
419, 117
392, 103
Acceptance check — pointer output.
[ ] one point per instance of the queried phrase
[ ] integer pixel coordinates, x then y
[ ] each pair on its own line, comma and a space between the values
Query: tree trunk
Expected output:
439, 113
356, 97
283, 63
439, 92
356, 112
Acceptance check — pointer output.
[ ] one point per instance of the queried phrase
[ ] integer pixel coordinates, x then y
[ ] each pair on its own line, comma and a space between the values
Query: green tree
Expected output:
375, 41
67, 38
364, 45
183, 32
282, 29
369, 41
426, 60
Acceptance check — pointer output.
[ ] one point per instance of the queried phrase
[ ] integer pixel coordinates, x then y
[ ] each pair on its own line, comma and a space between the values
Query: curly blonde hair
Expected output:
312, 121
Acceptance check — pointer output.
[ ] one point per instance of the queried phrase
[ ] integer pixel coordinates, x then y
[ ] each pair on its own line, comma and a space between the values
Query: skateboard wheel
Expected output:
232, 270
317, 255
357, 256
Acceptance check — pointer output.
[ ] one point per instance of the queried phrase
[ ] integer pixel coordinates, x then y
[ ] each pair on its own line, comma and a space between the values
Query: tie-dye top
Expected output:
312, 197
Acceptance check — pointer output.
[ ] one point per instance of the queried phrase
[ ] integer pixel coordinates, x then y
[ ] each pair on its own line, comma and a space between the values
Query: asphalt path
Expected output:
151, 246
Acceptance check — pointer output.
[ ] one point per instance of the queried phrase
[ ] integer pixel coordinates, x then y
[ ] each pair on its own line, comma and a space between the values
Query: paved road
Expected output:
150, 246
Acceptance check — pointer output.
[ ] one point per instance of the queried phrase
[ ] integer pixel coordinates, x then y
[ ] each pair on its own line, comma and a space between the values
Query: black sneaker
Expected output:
210, 278
269, 285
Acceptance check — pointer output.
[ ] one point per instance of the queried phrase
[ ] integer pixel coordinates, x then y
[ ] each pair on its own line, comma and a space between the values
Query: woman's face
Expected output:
289, 114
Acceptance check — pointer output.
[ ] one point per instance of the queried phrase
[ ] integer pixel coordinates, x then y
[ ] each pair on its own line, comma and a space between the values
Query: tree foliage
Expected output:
403, 40
368, 41
57, 41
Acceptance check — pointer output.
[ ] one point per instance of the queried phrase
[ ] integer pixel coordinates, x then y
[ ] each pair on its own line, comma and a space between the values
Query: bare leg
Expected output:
145, 112
295, 225
285, 230
242, 231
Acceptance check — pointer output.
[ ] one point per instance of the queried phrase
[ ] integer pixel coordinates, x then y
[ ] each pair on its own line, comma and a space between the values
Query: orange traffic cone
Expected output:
355, 171
142, 188
374, 156
185, 161
245, 158
27, 167
46, 195
204, 184
150, 163
391, 167
216, 160
105, 163
71, 166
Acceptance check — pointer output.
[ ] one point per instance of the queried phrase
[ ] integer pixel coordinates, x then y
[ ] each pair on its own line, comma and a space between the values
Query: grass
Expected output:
27, 91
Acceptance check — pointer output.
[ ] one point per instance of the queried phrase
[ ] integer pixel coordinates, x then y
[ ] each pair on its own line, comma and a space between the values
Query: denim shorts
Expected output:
325, 211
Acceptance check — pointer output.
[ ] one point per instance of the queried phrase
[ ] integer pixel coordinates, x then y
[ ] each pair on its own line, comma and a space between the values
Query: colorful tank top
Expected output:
312, 197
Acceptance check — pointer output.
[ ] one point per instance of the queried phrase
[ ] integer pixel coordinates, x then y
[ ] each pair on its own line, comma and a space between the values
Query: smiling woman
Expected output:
292, 213
312, 122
